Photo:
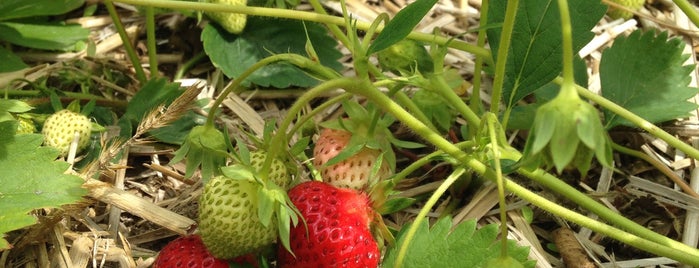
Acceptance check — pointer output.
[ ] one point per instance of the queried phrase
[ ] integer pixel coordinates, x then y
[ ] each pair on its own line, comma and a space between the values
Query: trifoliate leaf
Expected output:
463, 247
22, 189
235, 53
535, 55
645, 74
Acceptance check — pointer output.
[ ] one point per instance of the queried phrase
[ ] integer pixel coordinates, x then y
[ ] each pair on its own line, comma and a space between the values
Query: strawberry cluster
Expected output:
246, 208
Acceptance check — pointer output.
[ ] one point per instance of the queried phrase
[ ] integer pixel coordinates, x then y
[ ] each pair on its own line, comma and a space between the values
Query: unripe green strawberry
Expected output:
278, 173
25, 126
60, 128
228, 212
232, 22
228, 221
630, 4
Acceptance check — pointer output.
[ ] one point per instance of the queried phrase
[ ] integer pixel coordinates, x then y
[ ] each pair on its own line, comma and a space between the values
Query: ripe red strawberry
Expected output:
338, 233
353, 172
187, 251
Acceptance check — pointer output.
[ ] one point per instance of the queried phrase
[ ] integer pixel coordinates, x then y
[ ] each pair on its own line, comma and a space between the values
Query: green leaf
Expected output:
354, 145
401, 25
50, 36
236, 53
44, 185
463, 247
12, 106
535, 56
434, 107
300, 146
10, 61
644, 74
12, 9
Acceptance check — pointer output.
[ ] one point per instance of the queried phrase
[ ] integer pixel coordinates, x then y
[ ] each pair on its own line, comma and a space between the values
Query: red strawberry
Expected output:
187, 251
190, 252
353, 172
338, 228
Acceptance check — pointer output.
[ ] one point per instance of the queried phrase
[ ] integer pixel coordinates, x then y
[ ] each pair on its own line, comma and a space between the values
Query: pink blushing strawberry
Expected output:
353, 172
338, 228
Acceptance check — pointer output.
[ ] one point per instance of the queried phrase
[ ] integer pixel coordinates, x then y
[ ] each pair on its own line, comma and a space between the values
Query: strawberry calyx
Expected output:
204, 146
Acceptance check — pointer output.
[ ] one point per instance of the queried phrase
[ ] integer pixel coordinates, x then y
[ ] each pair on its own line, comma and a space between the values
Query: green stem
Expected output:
505, 40
405, 172
279, 141
650, 241
295, 59
491, 118
567, 43
557, 186
688, 10
302, 15
68, 96
440, 86
423, 213
690, 256
408, 103
130, 51
334, 29
636, 120
150, 41
189, 64
326, 104
475, 102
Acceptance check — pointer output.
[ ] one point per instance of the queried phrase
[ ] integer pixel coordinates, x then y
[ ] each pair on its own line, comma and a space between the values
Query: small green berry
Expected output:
25, 126
616, 13
232, 22
60, 128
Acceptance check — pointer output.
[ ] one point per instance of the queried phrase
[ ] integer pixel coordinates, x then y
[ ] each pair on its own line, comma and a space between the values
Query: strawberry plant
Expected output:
539, 139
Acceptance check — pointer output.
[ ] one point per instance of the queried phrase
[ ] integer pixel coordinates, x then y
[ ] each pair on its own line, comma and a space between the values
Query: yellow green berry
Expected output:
60, 128
232, 22
25, 126
634, 5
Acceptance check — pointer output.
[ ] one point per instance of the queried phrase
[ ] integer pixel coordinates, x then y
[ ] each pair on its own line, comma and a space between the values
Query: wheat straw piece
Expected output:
643, 187
140, 207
